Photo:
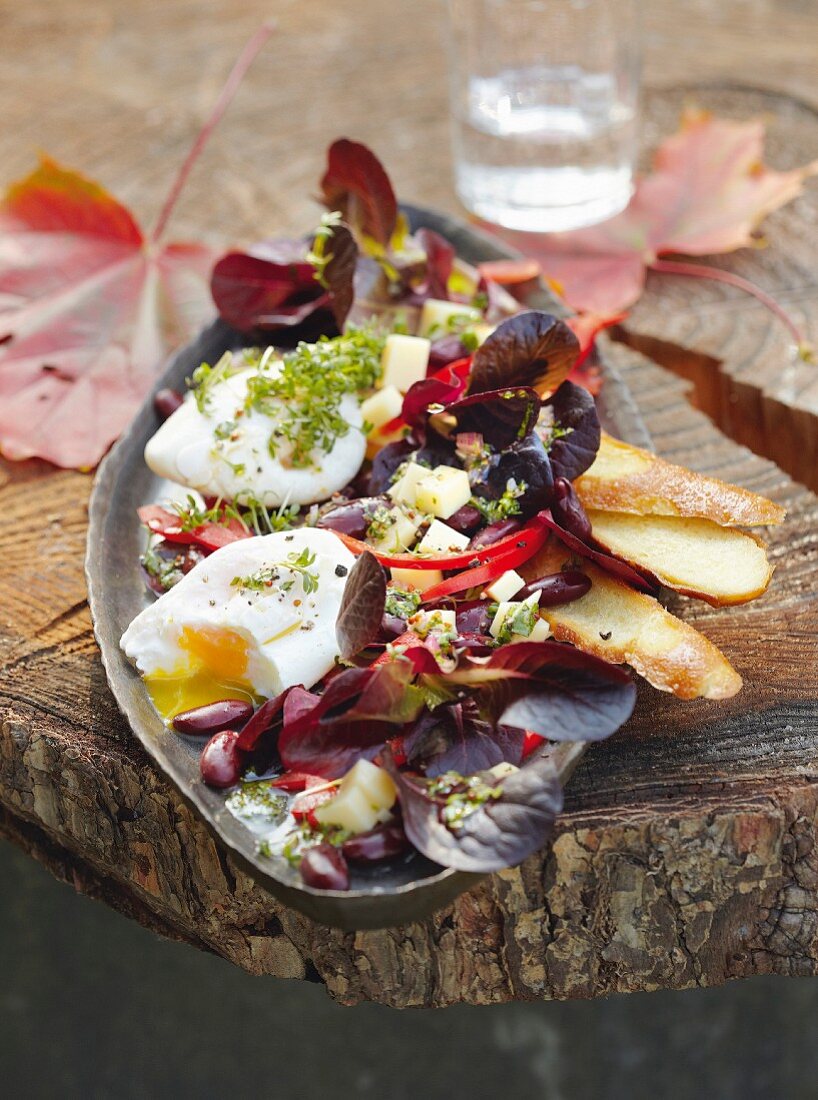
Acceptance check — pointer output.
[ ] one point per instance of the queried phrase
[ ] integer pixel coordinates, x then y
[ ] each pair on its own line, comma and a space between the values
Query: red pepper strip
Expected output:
534, 526
484, 574
398, 751
210, 536
162, 522
303, 806
407, 639
296, 781
531, 741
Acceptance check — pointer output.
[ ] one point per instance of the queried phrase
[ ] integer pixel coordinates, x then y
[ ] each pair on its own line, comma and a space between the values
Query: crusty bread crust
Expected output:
627, 479
621, 625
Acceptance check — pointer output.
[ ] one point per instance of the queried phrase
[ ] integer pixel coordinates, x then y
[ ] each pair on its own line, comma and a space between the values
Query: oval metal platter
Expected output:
397, 893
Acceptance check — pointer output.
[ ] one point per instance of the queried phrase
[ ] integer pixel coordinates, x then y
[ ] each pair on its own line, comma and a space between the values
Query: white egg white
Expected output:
208, 628
186, 449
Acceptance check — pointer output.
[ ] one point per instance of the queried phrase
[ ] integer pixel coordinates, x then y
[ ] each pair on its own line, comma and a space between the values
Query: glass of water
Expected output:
544, 107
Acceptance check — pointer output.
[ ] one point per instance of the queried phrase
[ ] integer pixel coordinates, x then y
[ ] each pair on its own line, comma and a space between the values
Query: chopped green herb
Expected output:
381, 520
521, 621
318, 256
462, 795
309, 387
507, 505
401, 603
269, 574
258, 799
166, 572
206, 377
225, 430
306, 836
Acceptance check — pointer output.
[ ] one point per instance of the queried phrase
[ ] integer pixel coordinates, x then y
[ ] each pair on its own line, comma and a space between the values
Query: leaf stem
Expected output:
703, 271
231, 86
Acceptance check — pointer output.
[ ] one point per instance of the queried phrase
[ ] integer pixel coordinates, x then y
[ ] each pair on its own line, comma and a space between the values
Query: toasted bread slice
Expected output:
627, 479
623, 626
694, 556
618, 624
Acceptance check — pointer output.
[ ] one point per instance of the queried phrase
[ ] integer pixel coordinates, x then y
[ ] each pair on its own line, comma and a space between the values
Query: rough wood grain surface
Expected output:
688, 851
738, 356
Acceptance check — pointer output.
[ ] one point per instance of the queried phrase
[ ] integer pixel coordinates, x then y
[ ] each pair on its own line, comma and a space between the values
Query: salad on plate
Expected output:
398, 563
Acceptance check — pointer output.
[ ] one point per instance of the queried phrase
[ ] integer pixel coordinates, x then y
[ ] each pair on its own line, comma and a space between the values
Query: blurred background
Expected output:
91, 1004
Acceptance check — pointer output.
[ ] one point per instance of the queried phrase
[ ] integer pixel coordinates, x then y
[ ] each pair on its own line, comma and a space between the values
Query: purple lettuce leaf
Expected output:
530, 349
502, 417
339, 273
386, 462
440, 256
356, 183
573, 410
271, 285
499, 833
457, 737
269, 715
527, 464
360, 709
551, 689
362, 605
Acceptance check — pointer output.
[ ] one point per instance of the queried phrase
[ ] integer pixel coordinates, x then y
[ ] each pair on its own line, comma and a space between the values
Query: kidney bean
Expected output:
167, 402
494, 532
557, 588
222, 760
325, 868
213, 717
465, 519
353, 518
568, 511
473, 617
477, 645
382, 842
392, 626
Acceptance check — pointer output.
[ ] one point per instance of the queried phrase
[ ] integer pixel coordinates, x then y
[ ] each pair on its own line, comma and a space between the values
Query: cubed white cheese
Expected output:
404, 360
507, 585
405, 488
505, 609
418, 579
502, 770
508, 609
365, 797
443, 491
422, 622
442, 539
384, 405
436, 316
400, 529
540, 632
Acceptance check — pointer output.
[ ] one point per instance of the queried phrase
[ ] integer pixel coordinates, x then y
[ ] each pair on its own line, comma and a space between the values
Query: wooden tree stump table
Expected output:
687, 853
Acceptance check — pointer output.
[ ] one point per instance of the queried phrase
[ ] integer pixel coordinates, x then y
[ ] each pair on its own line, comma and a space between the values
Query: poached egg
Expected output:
253, 618
220, 446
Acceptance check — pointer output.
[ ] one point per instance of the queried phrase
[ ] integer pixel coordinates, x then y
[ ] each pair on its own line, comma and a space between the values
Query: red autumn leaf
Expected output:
87, 311
90, 306
708, 193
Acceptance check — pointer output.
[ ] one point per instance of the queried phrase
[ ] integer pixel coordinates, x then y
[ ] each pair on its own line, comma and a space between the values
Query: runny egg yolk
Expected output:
217, 670
222, 652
